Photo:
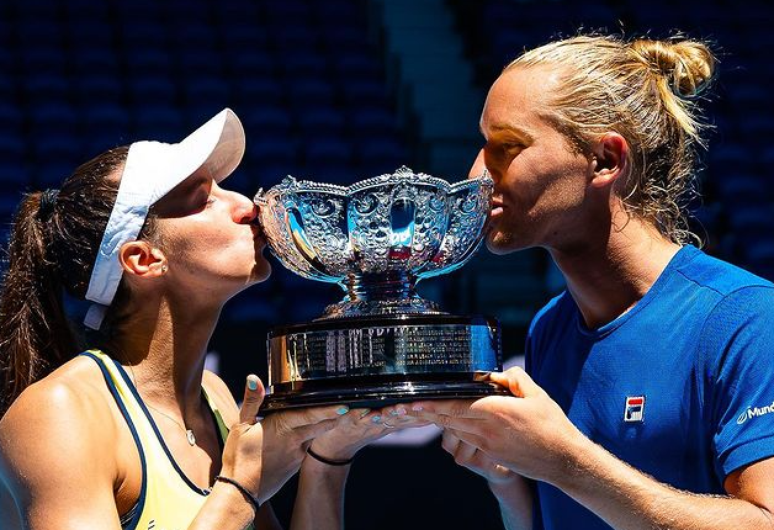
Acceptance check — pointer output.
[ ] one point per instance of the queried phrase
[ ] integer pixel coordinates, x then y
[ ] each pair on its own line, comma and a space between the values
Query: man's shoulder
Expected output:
557, 313
557, 309
718, 276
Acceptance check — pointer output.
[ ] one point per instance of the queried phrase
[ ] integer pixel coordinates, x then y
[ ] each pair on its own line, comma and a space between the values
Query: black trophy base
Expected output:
378, 391
373, 362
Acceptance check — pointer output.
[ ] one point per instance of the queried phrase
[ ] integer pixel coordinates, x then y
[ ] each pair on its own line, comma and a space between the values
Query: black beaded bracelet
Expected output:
244, 491
328, 461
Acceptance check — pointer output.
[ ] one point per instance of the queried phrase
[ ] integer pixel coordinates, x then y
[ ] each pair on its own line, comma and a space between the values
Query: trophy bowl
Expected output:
382, 343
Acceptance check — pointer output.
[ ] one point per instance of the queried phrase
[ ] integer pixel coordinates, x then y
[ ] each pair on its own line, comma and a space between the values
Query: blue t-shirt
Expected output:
681, 386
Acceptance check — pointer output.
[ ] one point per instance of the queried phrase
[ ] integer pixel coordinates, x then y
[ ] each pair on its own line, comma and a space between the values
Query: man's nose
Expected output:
478, 167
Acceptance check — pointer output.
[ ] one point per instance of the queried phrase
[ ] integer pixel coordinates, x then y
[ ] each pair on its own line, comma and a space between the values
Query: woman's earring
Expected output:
164, 269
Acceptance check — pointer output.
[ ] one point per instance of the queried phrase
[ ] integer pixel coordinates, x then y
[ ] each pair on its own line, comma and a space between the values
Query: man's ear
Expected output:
140, 258
610, 159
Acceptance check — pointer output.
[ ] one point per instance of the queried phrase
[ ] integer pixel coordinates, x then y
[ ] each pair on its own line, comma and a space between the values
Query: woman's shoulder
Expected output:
58, 440
70, 404
220, 393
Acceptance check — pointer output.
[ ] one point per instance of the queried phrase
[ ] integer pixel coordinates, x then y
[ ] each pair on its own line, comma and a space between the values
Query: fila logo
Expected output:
635, 408
754, 412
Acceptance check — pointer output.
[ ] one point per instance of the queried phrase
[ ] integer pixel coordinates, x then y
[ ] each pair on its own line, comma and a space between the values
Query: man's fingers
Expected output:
254, 394
474, 441
466, 453
469, 425
517, 381
449, 442
457, 408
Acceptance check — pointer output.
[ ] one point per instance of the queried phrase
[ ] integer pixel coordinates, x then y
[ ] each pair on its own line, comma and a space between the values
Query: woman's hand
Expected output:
287, 434
360, 427
243, 453
263, 455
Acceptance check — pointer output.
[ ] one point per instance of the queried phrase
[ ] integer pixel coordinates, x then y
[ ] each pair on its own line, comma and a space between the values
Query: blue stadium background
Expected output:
339, 90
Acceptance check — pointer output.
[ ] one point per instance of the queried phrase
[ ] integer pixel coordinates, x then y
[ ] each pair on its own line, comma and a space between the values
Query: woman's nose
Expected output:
245, 211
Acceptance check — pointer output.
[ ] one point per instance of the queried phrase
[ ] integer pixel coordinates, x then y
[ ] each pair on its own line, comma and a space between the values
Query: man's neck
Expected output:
609, 276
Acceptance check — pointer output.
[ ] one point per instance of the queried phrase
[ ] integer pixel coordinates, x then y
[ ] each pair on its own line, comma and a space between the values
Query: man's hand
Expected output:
527, 433
471, 457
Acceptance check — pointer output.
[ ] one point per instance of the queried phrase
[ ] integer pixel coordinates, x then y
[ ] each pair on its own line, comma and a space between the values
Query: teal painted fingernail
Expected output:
342, 410
393, 413
252, 384
376, 419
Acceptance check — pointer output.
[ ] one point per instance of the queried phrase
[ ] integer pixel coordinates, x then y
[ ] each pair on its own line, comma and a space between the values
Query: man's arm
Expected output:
531, 435
630, 500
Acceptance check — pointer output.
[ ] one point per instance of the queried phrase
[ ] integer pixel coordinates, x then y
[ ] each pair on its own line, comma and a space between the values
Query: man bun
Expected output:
687, 65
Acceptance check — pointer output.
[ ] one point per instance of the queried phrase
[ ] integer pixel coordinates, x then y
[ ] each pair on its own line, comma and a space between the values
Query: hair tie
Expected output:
47, 204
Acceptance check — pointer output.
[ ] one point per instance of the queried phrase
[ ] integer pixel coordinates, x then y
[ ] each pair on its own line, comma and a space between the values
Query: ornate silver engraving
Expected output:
378, 237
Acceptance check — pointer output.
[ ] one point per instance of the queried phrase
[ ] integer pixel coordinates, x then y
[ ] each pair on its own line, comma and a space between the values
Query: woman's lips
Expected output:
257, 231
497, 209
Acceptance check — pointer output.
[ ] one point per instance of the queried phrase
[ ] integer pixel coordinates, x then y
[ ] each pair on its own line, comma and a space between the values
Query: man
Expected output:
648, 402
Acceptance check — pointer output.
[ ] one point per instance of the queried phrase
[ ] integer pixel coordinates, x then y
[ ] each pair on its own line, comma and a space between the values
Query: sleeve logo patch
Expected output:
754, 412
635, 409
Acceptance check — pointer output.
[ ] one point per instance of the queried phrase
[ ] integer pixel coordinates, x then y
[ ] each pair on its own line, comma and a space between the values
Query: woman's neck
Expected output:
609, 276
165, 349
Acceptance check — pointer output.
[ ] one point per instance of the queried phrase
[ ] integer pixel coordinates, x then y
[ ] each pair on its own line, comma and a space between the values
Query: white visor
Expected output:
152, 170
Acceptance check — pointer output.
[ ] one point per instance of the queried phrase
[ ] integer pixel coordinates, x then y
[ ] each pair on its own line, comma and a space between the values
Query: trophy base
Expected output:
373, 362
378, 392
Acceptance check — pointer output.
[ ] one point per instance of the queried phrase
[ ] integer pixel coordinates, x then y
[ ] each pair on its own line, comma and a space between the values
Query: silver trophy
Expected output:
377, 238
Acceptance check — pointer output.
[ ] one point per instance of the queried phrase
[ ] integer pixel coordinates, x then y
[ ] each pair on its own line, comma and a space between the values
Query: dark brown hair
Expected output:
51, 251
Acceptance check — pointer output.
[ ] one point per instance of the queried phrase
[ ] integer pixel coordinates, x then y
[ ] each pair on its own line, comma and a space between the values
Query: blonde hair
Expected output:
647, 91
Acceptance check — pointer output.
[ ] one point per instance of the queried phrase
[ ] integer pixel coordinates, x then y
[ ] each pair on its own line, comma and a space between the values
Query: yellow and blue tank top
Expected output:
168, 499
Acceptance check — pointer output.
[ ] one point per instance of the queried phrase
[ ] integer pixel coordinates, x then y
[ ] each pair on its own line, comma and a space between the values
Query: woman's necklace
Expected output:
189, 434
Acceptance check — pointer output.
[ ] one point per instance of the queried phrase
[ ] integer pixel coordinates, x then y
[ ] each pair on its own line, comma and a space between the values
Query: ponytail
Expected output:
53, 246
35, 336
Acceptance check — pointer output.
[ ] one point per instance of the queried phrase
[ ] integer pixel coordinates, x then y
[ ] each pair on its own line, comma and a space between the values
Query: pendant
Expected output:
191, 438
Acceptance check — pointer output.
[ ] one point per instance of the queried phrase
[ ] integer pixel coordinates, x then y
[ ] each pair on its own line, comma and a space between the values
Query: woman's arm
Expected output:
60, 468
56, 459
320, 498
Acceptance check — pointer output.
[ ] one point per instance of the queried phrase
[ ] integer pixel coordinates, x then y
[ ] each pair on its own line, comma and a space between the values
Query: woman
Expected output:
131, 434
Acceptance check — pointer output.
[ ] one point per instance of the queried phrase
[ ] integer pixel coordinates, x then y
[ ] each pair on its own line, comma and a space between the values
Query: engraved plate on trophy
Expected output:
382, 343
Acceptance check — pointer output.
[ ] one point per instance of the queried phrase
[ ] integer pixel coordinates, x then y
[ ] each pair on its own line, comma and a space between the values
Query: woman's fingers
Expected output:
306, 433
254, 394
294, 419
